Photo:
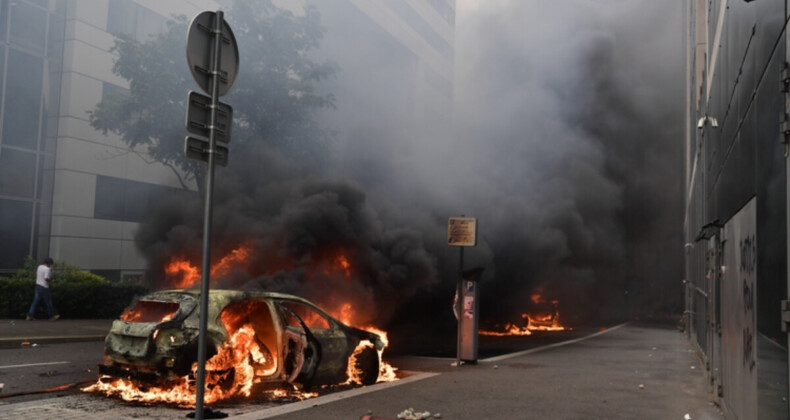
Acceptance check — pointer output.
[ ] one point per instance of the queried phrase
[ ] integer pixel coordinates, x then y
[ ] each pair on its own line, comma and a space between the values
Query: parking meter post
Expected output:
208, 210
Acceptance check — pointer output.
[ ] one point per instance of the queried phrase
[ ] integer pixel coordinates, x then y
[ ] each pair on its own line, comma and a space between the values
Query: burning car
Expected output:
254, 339
542, 315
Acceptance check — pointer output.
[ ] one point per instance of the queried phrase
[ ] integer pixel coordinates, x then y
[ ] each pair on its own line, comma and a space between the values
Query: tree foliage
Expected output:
273, 99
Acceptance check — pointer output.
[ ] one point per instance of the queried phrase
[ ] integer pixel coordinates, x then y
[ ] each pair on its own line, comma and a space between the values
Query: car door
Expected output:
332, 342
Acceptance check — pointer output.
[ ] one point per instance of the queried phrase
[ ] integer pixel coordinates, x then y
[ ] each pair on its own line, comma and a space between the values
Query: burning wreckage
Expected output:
267, 342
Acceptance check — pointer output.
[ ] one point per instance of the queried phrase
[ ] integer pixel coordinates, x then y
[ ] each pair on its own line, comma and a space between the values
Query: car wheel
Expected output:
367, 363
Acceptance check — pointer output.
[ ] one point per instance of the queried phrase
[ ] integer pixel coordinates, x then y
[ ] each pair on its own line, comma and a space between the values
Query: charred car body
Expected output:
296, 342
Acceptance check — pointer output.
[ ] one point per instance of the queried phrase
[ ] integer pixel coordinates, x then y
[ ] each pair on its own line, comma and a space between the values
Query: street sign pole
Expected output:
207, 215
459, 306
462, 232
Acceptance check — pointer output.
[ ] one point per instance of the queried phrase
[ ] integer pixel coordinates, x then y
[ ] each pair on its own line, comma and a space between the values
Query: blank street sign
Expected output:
197, 149
198, 118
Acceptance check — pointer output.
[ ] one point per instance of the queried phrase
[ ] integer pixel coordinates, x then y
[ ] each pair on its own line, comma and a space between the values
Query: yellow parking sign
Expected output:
462, 231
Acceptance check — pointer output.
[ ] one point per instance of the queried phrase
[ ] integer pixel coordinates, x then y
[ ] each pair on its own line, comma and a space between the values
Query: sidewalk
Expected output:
15, 332
627, 372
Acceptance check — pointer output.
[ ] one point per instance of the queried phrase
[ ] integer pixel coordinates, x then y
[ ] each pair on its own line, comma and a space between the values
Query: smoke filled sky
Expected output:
566, 144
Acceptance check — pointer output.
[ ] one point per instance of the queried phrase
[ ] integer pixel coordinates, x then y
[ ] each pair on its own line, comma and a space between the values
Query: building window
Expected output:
128, 201
17, 173
17, 217
423, 28
109, 90
28, 26
125, 17
22, 110
445, 10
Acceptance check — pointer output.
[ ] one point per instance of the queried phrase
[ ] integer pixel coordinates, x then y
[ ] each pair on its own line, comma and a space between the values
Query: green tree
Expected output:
273, 99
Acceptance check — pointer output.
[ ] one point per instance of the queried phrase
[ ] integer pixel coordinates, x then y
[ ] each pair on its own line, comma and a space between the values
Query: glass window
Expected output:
129, 201
311, 318
109, 198
28, 26
148, 24
17, 173
134, 20
108, 90
121, 18
17, 217
22, 110
2, 67
4, 19
136, 199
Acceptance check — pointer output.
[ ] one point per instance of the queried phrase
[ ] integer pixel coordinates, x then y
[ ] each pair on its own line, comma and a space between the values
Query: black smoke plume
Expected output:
567, 147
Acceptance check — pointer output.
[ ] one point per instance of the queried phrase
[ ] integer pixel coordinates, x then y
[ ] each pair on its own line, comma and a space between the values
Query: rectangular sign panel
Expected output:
462, 231
199, 117
197, 149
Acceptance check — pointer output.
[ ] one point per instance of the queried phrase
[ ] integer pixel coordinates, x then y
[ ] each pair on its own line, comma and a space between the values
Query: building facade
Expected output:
736, 201
73, 193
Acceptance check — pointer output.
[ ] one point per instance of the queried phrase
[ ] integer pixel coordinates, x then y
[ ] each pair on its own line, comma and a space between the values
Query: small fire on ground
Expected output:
543, 316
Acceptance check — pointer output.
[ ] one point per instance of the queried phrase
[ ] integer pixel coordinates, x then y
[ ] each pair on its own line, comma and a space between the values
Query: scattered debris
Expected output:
25, 343
1, 387
496, 366
641, 386
410, 414
687, 417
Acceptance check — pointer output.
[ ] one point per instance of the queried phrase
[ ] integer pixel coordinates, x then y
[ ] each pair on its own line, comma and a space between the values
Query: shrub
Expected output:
75, 293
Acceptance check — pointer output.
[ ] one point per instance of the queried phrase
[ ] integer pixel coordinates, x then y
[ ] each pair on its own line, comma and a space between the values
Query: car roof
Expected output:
231, 294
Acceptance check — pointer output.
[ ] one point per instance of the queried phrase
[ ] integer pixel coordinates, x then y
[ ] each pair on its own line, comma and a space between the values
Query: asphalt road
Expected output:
43, 370
27, 371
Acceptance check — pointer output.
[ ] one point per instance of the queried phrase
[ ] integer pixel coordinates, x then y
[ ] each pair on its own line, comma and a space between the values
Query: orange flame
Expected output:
185, 275
233, 371
386, 371
534, 321
144, 311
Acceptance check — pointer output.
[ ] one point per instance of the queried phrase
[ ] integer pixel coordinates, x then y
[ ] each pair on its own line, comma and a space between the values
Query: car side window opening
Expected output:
312, 318
150, 311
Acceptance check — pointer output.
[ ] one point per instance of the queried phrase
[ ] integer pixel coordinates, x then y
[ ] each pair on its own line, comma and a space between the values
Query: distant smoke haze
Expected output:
566, 145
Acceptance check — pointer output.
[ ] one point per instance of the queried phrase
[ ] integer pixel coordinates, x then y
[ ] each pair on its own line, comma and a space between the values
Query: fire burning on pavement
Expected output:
543, 316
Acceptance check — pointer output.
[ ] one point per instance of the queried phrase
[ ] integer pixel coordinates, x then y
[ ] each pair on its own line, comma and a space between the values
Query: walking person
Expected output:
43, 279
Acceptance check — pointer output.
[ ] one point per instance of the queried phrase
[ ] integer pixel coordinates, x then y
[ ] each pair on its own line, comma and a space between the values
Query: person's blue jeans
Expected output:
42, 293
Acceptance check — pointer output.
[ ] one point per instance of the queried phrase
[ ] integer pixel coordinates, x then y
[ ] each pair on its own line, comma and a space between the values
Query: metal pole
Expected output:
207, 215
459, 306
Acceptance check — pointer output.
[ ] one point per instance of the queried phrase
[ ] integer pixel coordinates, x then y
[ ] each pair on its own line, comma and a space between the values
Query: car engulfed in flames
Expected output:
255, 341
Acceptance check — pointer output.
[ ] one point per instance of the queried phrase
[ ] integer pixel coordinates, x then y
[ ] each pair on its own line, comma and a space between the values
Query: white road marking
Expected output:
32, 364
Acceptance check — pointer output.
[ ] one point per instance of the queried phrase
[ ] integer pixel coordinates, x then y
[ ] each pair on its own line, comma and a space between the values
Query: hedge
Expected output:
75, 294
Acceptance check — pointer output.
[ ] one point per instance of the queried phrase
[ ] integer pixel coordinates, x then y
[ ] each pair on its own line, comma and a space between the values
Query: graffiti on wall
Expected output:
747, 268
738, 313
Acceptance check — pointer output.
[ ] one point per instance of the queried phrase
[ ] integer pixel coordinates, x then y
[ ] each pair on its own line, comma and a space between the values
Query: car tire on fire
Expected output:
367, 363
